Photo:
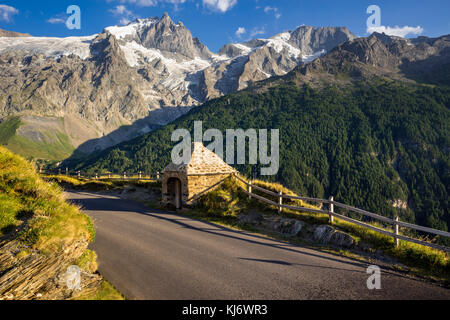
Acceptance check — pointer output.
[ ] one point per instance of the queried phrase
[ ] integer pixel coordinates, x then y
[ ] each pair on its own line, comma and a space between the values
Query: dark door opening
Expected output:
174, 191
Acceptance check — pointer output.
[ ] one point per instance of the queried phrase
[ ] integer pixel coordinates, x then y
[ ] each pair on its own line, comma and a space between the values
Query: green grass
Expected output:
35, 213
8, 129
98, 185
57, 150
88, 261
105, 292
51, 149
37, 209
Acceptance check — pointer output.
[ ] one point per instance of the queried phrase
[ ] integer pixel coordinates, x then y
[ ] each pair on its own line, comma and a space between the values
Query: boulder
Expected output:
328, 235
289, 227
253, 218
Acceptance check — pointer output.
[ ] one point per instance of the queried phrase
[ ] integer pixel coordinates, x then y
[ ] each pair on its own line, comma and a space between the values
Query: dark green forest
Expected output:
368, 145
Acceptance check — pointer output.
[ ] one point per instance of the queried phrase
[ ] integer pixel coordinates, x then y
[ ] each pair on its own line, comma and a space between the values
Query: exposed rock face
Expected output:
310, 40
254, 218
260, 59
289, 227
102, 82
328, 235
41, 277
173, 39
323, 234
421, 59
94, 96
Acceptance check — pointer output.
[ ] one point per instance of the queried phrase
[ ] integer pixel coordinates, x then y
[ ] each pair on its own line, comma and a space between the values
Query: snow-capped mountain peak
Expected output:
125, 72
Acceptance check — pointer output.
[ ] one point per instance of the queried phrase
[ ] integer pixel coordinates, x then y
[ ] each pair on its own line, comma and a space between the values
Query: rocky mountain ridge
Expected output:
98, 84
424, 60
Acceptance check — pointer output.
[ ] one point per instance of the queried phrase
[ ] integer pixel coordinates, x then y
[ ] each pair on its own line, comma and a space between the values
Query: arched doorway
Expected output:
174, 191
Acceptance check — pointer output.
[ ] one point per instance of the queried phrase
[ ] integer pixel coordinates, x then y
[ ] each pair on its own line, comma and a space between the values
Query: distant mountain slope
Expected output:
39, 137
121, 76
11, 34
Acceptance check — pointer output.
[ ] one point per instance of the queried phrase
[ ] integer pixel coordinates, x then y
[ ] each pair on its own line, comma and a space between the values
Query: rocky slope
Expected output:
11, 34
98, 84
42, 277
425, 60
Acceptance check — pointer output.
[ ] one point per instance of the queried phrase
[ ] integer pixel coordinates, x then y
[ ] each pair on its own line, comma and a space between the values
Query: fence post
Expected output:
280, 202
59, 171
67, 171
157, 176
331, 209
140, 175
109, 176
124, 176
96, 176
396, 242
79, 174
250, 190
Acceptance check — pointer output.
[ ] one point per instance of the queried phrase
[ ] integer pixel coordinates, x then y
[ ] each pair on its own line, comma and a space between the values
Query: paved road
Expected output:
149, 254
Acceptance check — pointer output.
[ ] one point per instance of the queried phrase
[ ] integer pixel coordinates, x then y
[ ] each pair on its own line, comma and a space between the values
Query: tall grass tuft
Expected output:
34, 211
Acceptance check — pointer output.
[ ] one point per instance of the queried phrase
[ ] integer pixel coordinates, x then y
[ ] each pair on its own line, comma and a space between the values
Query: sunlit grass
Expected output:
105, 292
98, 184
49, 222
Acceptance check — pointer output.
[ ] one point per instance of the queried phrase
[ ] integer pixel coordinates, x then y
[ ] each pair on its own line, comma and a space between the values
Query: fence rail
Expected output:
106, 176
332, 214
330, 202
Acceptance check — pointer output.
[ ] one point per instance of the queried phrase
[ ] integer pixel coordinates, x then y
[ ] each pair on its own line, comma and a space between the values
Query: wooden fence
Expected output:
396, 223
106, 176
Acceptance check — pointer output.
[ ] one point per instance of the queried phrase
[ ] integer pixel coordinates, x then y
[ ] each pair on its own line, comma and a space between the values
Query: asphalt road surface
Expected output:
155, 255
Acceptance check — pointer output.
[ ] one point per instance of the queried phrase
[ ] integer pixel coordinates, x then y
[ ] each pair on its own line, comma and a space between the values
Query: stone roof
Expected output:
203, 161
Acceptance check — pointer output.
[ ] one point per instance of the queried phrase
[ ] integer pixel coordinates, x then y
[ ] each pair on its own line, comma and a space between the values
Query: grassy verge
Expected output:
105, 292
35, 213
37, 209
88, 263
98, 185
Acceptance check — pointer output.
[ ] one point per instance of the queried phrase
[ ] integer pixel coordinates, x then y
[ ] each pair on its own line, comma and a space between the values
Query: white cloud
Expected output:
148, 3
220, 5
125, 15
275, 11
119, 10
56, 20
124, 21
257, 31
240, 31
396, 31
6, 12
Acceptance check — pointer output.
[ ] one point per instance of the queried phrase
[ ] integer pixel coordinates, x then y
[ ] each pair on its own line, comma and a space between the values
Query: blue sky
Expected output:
216, 22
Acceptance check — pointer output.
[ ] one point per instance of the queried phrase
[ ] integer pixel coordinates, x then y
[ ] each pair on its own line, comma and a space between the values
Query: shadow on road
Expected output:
285, 263
120, 205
